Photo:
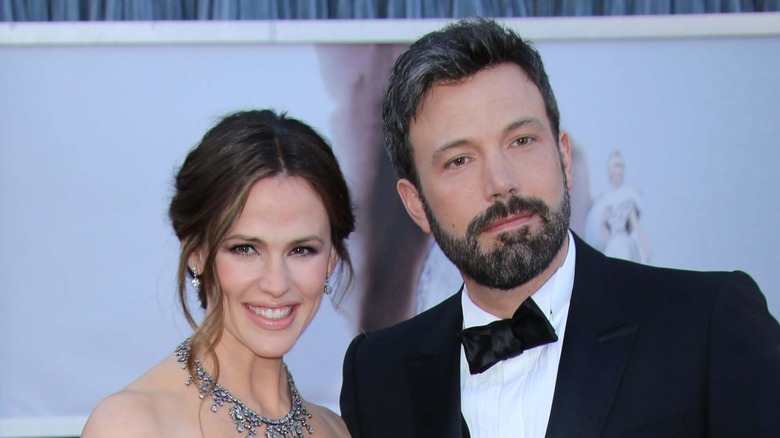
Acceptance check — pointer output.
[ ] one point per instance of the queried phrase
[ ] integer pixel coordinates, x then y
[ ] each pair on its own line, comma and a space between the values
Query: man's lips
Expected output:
511, 221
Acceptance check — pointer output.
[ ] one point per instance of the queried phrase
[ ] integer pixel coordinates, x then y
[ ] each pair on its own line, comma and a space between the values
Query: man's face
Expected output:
493, 179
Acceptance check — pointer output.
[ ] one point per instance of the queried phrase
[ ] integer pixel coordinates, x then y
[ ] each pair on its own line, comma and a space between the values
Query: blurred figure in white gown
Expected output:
613, 225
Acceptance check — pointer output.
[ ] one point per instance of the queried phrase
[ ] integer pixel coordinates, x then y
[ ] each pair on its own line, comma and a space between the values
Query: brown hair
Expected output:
212, 186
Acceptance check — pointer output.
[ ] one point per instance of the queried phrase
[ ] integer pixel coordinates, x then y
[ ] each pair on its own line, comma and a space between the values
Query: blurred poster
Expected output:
675, 154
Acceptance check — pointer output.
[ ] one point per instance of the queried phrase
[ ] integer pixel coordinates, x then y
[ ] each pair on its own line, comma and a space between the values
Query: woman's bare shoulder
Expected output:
127, 413
146, 407
329, 422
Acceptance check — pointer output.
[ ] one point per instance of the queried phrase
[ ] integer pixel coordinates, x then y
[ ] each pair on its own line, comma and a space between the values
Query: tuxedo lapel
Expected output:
596, 347
434, 375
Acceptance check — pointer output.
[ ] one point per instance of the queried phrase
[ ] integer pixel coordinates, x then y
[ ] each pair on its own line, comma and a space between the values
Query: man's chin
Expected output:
489, 242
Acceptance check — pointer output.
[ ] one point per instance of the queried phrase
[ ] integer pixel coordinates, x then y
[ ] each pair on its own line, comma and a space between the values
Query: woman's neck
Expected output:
259, 382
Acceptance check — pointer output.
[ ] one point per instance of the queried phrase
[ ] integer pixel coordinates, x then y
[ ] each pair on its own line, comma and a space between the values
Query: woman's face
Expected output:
272, 265
616, 170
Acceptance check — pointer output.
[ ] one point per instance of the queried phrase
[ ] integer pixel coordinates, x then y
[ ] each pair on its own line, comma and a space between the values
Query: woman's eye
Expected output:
303, 251
243, 250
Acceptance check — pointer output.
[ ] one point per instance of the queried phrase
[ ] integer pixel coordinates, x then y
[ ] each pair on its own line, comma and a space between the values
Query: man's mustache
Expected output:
501, 210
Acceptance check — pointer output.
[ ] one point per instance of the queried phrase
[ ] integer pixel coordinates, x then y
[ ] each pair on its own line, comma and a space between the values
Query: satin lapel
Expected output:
434, 375
596, 347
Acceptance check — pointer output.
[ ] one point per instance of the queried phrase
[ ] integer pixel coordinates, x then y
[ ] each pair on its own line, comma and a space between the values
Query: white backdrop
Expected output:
92, 132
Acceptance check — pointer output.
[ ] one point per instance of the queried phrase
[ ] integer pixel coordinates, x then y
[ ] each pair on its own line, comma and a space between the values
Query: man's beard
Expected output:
518, 255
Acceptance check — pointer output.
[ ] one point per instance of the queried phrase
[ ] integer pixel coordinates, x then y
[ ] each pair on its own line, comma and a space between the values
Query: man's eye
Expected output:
457, 162
522, 141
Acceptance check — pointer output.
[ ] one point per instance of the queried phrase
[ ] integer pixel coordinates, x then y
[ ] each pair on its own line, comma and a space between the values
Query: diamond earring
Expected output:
326, 287
195, 279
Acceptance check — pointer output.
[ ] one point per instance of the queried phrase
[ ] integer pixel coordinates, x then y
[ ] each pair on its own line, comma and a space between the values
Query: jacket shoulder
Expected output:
401, 336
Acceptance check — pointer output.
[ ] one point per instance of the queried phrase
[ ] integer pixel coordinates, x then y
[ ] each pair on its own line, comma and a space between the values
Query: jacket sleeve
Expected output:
744, 363
348, 399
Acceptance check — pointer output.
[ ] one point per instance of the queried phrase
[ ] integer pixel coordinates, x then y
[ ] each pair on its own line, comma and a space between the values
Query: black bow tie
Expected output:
488, 344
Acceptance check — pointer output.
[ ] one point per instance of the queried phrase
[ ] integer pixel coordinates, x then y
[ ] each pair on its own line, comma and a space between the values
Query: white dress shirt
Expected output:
513, 398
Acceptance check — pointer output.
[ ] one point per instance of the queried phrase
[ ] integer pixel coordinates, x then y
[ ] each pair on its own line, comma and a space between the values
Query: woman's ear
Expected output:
333, 259
195, 262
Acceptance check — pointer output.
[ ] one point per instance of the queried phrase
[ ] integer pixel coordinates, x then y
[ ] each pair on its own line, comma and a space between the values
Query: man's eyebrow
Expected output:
449, 145
524, 122
529, 121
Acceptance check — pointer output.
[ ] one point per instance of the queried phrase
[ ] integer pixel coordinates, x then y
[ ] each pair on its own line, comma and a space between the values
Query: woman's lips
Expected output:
273, 318
270, 312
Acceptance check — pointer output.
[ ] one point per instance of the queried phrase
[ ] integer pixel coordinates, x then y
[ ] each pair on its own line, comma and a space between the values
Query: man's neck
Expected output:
503, 303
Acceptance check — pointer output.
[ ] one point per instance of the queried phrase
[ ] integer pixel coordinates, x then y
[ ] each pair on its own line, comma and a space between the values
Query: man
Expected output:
586, 346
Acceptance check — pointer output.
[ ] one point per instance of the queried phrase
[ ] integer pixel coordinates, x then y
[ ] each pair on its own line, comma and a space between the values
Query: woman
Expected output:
613, 224
262, 212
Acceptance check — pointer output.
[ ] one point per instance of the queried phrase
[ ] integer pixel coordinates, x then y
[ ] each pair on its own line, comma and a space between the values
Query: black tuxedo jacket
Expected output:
648, 352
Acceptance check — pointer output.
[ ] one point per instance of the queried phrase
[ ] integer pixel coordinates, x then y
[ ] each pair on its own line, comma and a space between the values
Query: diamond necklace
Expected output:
246, 419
